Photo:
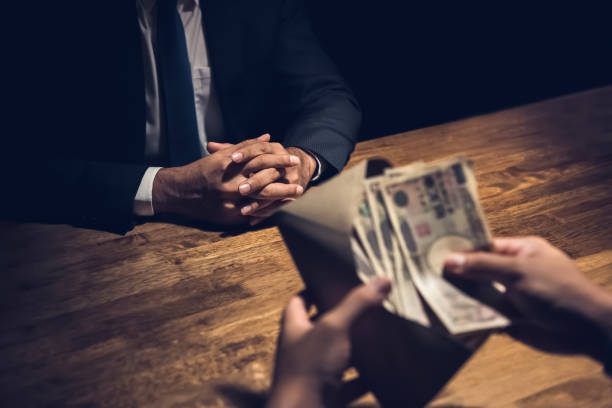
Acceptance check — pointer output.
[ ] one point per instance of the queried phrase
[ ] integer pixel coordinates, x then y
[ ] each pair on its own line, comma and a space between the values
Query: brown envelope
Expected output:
403, 363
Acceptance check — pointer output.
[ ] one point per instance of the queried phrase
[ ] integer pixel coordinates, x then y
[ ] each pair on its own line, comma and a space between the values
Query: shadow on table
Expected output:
234, 395
186, 222
242, 397
582, 340
226, 231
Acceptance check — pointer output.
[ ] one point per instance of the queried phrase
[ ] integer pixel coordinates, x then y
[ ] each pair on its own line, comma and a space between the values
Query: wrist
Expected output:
308, 161
165, 191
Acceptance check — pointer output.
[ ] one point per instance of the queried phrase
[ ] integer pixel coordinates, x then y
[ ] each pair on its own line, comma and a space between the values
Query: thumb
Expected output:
482, 265
214, 147
295, 321
359, 300
264, 138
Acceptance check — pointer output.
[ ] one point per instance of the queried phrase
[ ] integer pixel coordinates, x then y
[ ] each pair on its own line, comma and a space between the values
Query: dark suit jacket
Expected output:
78, 110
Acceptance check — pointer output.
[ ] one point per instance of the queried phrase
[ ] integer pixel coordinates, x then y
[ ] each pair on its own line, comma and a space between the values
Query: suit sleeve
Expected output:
83, 193
324, 115
57, 72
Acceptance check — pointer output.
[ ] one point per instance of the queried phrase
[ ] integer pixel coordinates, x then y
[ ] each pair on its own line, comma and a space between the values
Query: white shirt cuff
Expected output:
143, 201
317, 174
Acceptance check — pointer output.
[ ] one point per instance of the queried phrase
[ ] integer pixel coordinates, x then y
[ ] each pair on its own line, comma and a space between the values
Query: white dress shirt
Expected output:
208, 113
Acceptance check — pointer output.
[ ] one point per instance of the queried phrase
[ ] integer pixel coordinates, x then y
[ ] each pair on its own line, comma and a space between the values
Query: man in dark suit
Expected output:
156, 107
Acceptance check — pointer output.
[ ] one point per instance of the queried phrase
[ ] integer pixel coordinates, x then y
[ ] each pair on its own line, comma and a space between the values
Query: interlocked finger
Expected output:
279, 191
258, 181
244, 153
267, 160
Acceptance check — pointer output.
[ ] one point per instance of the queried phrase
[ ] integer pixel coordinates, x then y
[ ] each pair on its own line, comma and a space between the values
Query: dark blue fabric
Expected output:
82, 140
177, 86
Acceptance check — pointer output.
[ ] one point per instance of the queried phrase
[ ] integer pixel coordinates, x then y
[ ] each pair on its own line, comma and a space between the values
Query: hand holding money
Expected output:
409, 220
547, 286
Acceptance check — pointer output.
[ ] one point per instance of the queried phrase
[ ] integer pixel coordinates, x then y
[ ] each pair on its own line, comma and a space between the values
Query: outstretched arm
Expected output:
546, 286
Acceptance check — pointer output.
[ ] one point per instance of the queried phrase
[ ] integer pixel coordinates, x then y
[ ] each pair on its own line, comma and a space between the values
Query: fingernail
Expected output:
237, 157
381, 285
299, 190
245, 210
455, 262
244, 188
294, 160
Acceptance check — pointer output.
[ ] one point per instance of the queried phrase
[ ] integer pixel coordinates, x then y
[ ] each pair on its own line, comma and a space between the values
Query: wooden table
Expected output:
173, 314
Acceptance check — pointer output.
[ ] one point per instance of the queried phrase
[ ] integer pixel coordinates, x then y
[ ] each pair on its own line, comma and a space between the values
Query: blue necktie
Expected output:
177, 86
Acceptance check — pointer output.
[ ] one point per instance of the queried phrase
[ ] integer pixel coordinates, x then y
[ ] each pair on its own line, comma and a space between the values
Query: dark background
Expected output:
415, 64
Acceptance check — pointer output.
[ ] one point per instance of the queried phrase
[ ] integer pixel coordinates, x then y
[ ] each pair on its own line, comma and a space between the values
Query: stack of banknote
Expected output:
408, 221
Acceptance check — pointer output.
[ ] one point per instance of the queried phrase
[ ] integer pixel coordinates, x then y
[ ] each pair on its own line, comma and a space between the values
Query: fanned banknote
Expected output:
364, 227
365, 271
393, 172
405, 297
434, 210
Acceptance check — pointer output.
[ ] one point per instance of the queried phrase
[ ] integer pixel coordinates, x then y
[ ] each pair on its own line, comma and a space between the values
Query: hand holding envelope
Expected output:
399, 223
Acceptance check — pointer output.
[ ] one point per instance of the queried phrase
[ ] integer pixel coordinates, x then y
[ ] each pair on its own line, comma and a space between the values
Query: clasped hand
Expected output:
235, 183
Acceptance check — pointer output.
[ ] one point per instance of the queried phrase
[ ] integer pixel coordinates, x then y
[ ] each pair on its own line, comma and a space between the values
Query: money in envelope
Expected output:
401, 224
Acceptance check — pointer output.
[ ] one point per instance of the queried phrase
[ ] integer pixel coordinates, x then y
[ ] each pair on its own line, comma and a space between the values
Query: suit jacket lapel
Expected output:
223, 30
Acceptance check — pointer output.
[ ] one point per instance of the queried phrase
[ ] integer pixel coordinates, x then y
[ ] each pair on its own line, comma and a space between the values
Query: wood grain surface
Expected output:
172, 315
